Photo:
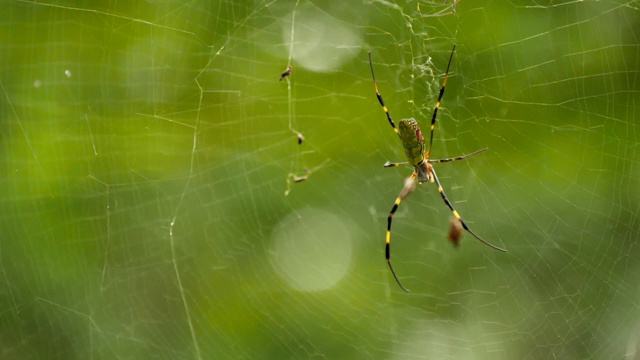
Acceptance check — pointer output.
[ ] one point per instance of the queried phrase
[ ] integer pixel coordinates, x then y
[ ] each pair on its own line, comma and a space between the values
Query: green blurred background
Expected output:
147, 148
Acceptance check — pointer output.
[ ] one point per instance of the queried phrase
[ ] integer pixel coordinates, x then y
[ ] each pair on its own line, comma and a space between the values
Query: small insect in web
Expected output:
300, 178
295, 178
455, 232
286, 73
414, 147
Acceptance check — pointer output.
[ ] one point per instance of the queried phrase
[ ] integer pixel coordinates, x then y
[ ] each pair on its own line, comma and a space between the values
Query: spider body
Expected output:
413, 144
423, 171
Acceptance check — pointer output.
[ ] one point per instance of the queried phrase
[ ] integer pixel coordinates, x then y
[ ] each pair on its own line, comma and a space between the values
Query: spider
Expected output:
413, 143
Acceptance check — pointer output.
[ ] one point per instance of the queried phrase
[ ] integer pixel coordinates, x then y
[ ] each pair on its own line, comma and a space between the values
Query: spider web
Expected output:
157, 204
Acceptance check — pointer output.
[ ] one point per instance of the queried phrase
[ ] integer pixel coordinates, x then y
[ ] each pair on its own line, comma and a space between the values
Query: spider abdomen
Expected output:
412, 141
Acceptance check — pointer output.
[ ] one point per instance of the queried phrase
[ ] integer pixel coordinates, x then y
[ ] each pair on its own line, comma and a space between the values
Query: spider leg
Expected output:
435, 111
409, 186
455, 213
390, 164
384, 107
455, 158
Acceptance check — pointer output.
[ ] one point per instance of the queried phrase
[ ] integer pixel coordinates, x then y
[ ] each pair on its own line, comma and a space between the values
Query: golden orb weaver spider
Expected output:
413, 142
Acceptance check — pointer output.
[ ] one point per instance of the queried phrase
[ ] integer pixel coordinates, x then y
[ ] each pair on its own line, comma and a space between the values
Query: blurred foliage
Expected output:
146, 149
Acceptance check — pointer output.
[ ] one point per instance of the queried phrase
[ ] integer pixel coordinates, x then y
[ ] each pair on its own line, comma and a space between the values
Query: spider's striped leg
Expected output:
435, 111
455, 158
384, 107
409, 186
390, 164
455, 213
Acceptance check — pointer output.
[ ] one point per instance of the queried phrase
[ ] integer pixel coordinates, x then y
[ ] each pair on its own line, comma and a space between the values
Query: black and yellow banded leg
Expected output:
457, 157
390, 164
380, 100
461, 157
409, 186
435, 111
455, 213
